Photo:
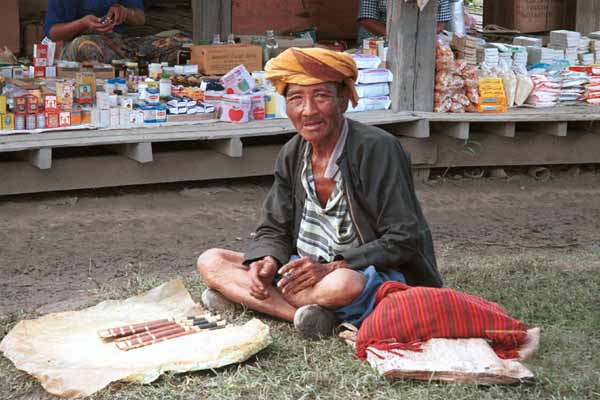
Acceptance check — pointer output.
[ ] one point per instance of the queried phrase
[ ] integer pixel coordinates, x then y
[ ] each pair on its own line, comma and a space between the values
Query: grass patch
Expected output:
555, 291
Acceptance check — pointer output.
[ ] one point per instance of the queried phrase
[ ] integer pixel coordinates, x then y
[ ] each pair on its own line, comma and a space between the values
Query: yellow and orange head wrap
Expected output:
312, 66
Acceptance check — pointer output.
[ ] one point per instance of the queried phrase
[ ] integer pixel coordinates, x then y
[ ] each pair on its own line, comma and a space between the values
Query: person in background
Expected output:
92, 29
372, 18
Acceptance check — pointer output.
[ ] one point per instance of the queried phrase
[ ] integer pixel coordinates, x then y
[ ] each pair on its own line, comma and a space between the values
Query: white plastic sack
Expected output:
64, 352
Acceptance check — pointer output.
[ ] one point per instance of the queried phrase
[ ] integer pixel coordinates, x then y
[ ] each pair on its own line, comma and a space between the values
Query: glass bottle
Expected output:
271, 45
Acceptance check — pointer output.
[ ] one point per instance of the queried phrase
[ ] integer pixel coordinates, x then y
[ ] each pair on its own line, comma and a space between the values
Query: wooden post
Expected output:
588, 16
210, 17
411, 54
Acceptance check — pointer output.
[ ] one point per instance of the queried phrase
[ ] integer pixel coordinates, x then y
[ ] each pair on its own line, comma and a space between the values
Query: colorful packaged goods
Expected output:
30, 121
492, 96
235, 108
85, 87
8, 121
64, 119
64, 94
51, 119
238, 81
456, 83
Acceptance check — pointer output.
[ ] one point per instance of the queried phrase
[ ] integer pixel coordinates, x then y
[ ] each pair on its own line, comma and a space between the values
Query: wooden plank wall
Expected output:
334, 19
588, 16
412, 35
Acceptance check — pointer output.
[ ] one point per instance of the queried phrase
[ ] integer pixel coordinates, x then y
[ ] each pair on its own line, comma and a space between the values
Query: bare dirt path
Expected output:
57, 250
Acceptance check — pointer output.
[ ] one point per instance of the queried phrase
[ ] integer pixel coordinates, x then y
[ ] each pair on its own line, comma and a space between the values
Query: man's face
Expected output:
316, 110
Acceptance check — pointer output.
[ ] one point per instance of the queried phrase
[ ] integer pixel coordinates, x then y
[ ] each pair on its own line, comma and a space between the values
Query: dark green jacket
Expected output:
387, 216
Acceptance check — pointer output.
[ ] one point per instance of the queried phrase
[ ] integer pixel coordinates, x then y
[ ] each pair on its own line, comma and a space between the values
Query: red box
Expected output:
40, 51
21, 105
38, 72
50, 102
51, 119
32, 104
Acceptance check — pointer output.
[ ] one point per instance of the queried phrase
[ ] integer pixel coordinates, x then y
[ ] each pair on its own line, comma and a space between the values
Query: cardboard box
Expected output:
219, 59
10, 27
528, 16
2, 104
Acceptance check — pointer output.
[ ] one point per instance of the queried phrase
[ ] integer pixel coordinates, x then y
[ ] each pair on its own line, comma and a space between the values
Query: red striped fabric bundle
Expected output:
405, 316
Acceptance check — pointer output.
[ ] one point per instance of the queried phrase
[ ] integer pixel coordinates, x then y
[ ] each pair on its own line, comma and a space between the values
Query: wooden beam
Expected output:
210, 17
140, 152
411, 55
588, 16
456, 130
229, 147
503, 129
415, 129
39, 158
548, 128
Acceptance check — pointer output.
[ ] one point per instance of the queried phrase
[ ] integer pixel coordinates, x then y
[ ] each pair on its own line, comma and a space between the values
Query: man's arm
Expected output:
274, 232
444, 15
370, 17
404, 241
69, 30
372, 25
127, 12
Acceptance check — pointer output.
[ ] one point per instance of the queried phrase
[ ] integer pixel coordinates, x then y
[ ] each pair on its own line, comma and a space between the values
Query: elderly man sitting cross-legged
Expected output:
341, 218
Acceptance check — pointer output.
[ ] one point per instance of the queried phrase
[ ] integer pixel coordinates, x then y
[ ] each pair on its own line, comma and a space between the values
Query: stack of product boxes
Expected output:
372, 85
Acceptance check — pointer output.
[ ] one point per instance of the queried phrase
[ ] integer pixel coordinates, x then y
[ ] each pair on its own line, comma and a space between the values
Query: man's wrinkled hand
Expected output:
301, 274
261, 274
118, 14
94, 24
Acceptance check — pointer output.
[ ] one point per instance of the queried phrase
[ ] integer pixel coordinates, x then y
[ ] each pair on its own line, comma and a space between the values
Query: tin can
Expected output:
30, 121
41, 121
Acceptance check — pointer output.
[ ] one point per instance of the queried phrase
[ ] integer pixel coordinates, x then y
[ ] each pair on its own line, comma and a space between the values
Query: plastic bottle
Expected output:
271, 45
216, 39
231, 38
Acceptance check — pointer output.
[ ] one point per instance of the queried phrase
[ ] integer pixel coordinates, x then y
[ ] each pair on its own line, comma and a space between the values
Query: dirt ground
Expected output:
58, 250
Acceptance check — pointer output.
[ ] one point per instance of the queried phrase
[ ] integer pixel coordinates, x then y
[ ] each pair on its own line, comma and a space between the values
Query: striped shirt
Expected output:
377, 10
325, 231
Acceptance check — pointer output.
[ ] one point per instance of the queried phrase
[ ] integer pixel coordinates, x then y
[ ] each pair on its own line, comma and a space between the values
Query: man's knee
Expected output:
340, 288
208, 264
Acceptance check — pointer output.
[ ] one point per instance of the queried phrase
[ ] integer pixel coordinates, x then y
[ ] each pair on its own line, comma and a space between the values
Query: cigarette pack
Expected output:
40, 51
76, 117
50, 102
51, 119
30, 121
64, 119
41, 120
37, 72
64, 94
32, 104
21, 105
8, 121
86, 116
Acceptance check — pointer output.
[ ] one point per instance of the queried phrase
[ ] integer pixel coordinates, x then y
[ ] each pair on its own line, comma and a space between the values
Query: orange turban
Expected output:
312, 66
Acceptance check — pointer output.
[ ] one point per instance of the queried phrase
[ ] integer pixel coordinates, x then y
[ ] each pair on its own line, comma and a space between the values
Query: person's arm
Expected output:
402, 232
370, 17
373, 25
274, 233
444, 15
69, 30
130, 13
